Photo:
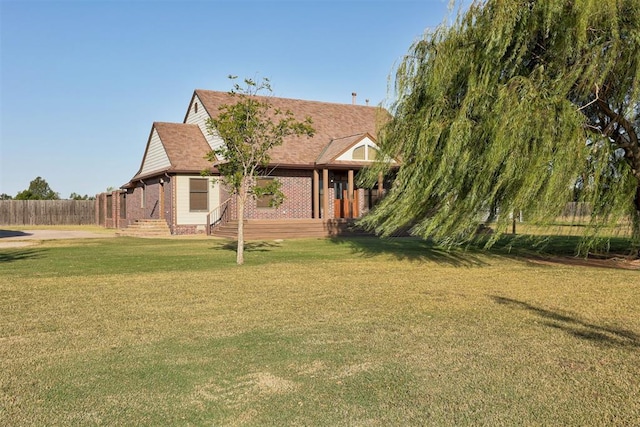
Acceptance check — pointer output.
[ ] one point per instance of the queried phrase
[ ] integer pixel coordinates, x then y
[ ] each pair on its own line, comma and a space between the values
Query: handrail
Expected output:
153, 210
221, 215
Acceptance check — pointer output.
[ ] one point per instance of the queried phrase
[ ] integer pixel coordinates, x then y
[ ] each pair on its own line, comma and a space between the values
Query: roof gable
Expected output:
174, 147
197, 114
155, 156
362, 150
337, 147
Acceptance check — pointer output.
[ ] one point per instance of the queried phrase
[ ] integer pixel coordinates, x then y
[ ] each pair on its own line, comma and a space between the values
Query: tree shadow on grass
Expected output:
523, 248
412, 249
563, 250
572, 325
13, 255
257, 246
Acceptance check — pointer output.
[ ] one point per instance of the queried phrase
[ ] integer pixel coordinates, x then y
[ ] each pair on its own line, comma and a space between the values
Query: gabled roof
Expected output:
185, 148
332, 122
339, 146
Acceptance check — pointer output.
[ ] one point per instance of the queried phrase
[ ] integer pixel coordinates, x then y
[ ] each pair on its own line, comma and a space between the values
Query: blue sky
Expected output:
83, 81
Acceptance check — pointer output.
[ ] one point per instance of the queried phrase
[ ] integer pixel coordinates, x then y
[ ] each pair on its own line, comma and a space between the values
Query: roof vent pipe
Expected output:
353, 98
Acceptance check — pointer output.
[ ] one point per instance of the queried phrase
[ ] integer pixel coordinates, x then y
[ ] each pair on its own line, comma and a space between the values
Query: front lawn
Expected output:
129, 331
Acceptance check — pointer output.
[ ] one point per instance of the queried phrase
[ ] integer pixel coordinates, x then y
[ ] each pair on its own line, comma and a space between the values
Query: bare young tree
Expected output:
250, 128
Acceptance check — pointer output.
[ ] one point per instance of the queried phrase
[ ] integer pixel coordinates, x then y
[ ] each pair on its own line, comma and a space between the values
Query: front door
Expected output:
342, 206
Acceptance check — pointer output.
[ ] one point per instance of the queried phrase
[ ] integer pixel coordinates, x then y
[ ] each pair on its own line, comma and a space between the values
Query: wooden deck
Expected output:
290, 228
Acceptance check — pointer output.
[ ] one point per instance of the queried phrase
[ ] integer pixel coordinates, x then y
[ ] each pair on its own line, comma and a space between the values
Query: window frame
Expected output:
196, 205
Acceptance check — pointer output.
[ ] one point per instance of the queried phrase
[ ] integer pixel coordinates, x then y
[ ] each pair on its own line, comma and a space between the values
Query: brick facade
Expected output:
297, 187
182, 230
109, 209
134, 206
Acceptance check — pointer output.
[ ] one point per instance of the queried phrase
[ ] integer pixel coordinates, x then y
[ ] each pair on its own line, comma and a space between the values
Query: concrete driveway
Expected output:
13, 238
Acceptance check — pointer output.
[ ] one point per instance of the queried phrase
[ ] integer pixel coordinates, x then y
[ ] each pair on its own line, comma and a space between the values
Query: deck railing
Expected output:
221, 215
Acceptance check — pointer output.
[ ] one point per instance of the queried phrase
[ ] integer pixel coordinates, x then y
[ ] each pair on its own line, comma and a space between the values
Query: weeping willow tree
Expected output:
518, 106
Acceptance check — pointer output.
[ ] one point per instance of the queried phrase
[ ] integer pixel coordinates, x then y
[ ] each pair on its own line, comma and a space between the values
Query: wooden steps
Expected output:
289, 229
147, 228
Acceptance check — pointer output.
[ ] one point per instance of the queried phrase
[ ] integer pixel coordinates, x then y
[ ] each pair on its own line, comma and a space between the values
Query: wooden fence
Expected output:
47, 212
577, 209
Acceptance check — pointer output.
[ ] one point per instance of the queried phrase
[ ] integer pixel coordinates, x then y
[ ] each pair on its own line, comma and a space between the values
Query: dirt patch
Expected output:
268, 383
14, 238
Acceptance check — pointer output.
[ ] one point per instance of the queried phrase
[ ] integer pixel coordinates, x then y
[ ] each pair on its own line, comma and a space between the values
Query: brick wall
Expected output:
151, 208
297, 185
152, 199
188, 229
108, 210
134, 209
298, 189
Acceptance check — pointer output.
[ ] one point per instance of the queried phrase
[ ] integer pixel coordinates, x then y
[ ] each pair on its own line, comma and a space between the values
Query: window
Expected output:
198, 194
364, 152
358, 153
195, 107
264, 201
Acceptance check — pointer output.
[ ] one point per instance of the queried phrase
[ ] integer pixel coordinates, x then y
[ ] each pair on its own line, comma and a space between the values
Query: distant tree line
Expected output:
39, 189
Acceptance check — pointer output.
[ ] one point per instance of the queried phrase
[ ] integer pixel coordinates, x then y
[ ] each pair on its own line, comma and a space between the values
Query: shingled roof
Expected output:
331, 122
336, 126
185, 146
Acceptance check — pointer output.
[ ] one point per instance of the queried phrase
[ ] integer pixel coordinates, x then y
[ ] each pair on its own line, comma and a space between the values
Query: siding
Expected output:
183, 215
156, 158
200, 118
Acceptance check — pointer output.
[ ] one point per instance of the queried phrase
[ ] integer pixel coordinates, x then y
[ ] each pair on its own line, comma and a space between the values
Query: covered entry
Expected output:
345, 198
334, 191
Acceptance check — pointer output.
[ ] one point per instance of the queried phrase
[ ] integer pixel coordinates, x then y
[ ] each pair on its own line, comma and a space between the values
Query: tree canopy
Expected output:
250, 128
76, 196
520, 105
38, 189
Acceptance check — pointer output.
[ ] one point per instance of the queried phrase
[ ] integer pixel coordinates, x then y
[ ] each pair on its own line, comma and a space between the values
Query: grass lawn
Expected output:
129, 331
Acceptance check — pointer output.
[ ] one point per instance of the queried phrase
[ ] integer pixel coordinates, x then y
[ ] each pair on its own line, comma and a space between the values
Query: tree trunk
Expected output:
635, 222
242, 198
240, 248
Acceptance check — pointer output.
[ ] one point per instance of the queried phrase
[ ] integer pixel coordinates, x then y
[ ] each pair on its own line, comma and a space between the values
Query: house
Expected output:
317, 173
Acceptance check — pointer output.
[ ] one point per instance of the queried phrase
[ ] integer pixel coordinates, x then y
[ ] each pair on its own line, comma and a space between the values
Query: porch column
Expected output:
325, 193
316, 194
380, 184
350, 192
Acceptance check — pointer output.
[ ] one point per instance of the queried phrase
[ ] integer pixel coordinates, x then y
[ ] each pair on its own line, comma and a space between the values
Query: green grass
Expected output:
131, 331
